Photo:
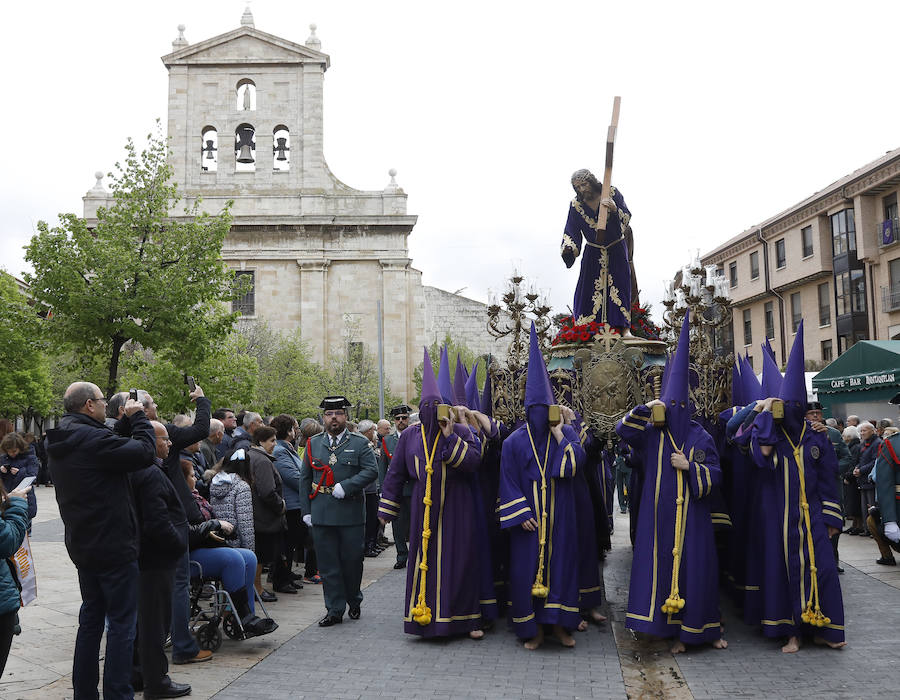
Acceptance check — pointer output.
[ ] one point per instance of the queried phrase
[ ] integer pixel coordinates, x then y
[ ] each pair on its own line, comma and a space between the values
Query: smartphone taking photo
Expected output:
25, 483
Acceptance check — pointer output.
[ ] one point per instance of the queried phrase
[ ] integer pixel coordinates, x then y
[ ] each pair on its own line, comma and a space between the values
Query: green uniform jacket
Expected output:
355, 468
887, 481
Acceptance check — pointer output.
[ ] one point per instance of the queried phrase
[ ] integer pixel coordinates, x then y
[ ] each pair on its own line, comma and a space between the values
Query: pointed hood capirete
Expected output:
767, 347
487, 406
771, 376
459, 383
445, 385
793, 386
751, 389
538, 391
431, 397
675, 393
472, 401
737, 388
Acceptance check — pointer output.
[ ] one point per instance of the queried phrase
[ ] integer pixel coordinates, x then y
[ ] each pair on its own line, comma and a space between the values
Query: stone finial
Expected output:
180, 40
247, 18
312, 41
392, 186
98, 188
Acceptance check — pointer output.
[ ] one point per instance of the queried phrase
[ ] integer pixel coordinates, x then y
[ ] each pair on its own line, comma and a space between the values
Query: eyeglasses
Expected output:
98, 400
401, 417
331, 414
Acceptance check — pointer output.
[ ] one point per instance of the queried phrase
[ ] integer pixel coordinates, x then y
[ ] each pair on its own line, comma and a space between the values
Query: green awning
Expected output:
868, 365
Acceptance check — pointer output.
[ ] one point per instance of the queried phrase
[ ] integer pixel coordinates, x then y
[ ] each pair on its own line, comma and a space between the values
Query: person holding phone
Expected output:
90, 466
439, 455
18, 462
14, 521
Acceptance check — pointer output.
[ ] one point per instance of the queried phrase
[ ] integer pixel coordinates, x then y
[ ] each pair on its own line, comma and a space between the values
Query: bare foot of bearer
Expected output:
792, 646
535, 641
825, 642
678, 647
563, 636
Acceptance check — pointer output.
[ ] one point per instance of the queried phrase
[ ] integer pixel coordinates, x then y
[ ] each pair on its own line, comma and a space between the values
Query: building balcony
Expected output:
890, 298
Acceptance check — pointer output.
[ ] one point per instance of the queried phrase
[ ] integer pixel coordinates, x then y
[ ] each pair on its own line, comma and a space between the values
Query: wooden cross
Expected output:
607, 172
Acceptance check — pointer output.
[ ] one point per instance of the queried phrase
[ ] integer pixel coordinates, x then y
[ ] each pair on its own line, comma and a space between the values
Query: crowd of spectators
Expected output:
865, 441
146, 504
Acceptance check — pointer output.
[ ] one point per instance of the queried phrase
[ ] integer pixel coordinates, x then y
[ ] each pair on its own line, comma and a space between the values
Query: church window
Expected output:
281, 148
245, 148
209, 149
246, 95
246, 305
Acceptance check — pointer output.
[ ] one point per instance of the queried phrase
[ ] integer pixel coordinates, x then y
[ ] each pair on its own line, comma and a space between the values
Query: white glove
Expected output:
338, 491
892, 532
307, 520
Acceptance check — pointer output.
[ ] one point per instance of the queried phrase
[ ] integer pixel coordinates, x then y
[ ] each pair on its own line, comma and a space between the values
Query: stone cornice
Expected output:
841, 192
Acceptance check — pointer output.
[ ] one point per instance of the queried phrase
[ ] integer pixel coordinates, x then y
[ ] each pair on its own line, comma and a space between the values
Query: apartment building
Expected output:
832, 260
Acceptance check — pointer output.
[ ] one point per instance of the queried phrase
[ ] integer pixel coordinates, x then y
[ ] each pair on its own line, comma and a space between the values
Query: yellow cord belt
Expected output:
538, 588
421, 613
812, 614
675, 602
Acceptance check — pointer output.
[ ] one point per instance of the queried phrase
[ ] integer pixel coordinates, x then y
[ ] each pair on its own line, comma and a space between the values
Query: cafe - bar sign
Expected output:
863, 381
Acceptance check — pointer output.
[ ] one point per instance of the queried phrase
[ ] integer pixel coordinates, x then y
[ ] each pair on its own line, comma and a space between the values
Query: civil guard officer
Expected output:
400, 526
335, 470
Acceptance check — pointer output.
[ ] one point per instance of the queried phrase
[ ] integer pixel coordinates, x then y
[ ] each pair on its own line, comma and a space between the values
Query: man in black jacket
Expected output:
163, 537
89, 466
184, 647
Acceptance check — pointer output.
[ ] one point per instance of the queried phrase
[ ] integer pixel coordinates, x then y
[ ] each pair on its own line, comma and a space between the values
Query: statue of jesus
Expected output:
603, 293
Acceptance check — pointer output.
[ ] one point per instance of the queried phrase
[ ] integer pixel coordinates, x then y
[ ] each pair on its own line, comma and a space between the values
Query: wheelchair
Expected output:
213, 611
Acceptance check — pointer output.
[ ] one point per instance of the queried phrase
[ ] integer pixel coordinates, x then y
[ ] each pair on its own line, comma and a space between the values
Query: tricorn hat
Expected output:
400, 410
331, 403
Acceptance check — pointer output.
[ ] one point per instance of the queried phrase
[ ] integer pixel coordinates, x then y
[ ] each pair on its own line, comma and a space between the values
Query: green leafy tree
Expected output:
139, 275
290, 381
353, 372
25, 386
454, 349
228, 375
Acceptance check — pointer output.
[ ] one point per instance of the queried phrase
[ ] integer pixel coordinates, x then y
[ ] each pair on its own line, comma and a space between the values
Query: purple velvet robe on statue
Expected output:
651, 568
581, 229
782, 534
520, 493
452, 581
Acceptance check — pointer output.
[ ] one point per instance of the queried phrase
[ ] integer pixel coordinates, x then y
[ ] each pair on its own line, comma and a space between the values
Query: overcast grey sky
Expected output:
731, 112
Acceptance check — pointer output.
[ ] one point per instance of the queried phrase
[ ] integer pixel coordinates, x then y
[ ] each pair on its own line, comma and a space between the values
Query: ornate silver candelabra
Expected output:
511, 315
705, 292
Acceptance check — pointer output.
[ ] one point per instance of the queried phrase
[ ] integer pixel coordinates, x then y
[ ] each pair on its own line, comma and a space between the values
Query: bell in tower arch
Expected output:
280, 148
245, 144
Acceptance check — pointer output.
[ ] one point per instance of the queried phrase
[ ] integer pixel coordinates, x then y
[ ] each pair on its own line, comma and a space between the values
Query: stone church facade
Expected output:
245, 123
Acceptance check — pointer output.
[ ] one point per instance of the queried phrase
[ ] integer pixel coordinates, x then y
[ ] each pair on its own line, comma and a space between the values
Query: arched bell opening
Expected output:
281, 148
209, 149
245, 148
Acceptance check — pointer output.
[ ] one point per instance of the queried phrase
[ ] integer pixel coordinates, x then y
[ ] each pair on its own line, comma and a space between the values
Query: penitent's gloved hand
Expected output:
892, 532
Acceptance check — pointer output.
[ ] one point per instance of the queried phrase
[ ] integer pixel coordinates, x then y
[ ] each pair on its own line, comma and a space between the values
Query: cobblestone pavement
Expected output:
373, 658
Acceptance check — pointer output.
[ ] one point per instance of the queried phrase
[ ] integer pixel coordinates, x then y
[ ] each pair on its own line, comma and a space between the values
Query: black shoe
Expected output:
400, 565
354, 613
298, 585
330, 620
286, 588
169, 690
370, 552
840, 569
256, 627
885, 561
267, 596
385, 542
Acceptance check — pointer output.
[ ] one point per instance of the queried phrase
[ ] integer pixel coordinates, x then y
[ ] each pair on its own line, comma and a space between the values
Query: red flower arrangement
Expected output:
642, 326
